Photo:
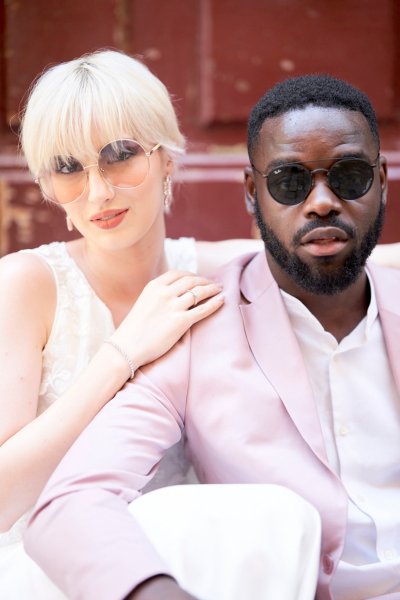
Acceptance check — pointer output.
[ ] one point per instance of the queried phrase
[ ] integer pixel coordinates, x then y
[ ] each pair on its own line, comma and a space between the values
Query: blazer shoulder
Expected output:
386, 282
383, 275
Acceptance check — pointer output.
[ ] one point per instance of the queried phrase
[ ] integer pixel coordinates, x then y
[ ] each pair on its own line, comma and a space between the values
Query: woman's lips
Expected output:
324, 241
108, 219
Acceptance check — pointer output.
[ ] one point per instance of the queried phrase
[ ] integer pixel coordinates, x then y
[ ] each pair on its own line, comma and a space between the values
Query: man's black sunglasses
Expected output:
348, 178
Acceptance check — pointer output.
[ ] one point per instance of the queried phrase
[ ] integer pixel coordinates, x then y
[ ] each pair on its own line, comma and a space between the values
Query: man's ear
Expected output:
249, 190
383, 176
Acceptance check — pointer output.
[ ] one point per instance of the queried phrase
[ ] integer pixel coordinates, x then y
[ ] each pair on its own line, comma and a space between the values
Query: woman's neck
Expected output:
119, 276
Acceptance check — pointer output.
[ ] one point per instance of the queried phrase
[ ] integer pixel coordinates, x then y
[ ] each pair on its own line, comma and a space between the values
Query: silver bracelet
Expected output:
131, 366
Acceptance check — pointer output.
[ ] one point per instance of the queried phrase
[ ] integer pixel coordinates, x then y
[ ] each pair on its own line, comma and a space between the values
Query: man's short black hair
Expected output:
315, 90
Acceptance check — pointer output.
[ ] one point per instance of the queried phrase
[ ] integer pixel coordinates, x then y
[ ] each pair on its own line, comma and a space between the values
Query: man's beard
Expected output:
318, 280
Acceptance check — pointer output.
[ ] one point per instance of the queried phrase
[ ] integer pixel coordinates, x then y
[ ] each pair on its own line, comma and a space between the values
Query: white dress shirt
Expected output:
359, 410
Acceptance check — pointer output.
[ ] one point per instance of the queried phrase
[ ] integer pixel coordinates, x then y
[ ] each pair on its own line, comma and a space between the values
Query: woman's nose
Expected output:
98, 188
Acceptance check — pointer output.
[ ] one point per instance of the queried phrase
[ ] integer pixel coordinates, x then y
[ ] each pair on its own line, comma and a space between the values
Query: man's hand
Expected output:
160, 587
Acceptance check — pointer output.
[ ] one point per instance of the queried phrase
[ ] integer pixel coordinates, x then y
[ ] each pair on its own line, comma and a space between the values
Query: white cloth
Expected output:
354, 413
81, 323
235, 541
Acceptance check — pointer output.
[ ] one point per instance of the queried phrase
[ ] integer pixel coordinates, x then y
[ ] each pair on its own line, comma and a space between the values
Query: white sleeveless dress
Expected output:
81, 323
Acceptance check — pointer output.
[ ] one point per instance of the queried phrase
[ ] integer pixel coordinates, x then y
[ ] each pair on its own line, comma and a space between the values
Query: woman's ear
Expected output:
169, 166
167, 163
249, 190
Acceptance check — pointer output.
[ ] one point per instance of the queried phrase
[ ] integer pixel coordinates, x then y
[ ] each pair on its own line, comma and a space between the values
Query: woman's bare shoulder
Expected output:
25, 270
27, 288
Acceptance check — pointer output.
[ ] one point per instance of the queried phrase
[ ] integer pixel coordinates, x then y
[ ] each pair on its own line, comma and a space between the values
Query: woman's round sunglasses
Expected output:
122, 163
348, 178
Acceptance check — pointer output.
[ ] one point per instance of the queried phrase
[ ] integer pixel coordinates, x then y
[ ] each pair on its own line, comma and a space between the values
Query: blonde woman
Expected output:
101, 138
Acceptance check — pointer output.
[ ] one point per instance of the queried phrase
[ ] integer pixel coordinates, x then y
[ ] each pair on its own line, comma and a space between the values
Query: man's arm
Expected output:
81, 532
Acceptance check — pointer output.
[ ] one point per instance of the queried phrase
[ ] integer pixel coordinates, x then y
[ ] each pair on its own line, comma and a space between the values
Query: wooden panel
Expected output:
165, 36
43, 32
256, 43
210, 198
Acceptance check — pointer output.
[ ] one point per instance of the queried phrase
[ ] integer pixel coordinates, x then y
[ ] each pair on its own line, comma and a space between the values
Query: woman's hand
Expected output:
167, 307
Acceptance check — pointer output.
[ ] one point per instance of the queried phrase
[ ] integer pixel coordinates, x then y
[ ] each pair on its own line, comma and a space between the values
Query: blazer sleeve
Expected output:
81, 532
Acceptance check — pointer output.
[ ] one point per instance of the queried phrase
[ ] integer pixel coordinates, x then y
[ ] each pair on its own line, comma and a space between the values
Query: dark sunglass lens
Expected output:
289, 184
351, 179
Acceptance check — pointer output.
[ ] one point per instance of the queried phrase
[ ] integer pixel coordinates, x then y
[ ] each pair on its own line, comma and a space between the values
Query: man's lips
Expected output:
324, 235
107, 215
324, 241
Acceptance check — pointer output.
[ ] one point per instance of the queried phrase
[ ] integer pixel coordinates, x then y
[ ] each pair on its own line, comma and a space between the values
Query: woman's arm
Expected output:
30, 448
387, 255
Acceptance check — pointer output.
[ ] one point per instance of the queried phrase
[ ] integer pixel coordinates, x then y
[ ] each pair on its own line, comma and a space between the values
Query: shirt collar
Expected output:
296, 308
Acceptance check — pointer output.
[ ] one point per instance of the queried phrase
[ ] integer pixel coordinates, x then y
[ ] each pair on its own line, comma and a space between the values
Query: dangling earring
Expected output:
68, 221
167, 194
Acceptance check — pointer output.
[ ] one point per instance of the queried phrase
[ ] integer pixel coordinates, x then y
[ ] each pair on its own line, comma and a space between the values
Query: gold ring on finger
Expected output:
195, 298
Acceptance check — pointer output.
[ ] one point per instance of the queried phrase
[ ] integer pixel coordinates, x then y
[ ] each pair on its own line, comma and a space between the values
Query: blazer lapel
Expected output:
387, 290
277, 352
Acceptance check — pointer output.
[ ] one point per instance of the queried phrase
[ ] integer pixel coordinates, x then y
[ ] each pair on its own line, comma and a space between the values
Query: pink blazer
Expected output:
238, 383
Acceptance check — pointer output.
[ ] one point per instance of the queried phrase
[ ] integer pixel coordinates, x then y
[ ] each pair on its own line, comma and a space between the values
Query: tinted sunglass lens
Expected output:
124, 163
289, 184
65, 181
351, 179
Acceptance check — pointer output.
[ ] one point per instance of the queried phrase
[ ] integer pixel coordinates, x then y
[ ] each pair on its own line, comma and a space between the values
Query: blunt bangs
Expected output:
77, 107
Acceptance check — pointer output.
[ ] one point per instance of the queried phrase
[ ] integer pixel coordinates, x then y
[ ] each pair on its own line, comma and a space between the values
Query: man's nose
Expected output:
321, 200
99, 190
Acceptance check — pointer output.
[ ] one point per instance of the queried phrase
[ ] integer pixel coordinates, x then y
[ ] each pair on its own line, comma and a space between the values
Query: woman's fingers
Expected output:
194, 296
179, 278
188, 288
166, 309
205, 309
187, 282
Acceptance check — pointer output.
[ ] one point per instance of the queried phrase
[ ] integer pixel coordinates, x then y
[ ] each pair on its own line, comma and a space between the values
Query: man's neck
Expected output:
339, 313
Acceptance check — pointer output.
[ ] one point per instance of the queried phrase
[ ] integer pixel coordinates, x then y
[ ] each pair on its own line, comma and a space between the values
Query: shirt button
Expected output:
343, 430
327, 564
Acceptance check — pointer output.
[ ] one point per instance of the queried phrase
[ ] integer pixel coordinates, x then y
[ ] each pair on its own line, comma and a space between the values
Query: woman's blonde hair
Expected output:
76, 107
